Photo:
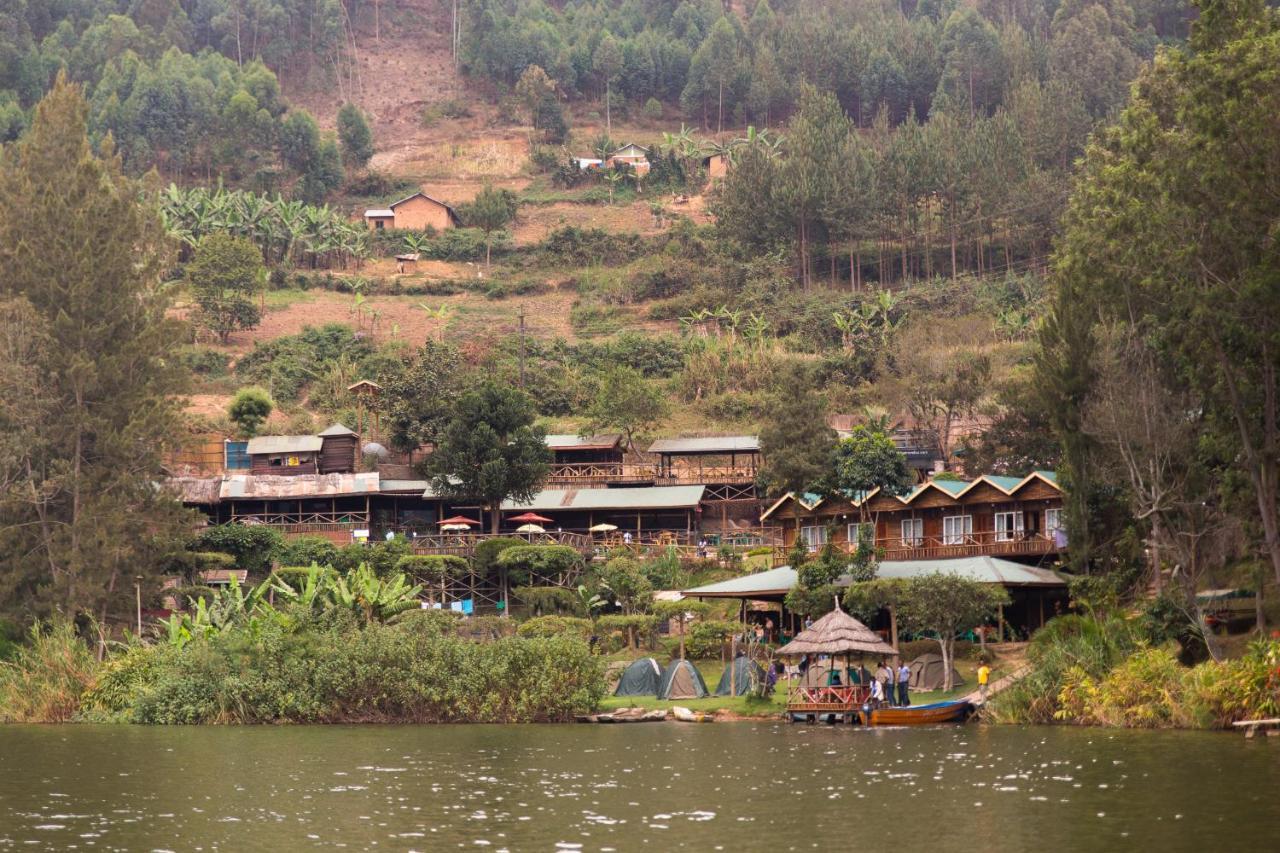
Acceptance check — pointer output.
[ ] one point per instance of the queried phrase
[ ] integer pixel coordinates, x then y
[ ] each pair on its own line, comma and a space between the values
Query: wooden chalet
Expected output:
591, 460
1019, 517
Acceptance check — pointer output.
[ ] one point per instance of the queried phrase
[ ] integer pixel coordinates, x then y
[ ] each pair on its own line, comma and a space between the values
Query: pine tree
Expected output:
83, 516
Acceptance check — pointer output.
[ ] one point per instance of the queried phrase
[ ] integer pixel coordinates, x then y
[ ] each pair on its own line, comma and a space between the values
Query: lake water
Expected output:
666, 786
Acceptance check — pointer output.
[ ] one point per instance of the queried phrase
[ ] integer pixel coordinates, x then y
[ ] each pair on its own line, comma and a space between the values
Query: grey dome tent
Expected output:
682, 681
927, 673
640, 678
745, 673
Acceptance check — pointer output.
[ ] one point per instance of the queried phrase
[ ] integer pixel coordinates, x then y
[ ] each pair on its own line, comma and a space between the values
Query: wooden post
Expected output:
1001, 623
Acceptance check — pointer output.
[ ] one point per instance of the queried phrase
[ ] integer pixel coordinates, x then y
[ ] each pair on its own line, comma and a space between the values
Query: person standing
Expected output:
984, 676
884, 678
904, 684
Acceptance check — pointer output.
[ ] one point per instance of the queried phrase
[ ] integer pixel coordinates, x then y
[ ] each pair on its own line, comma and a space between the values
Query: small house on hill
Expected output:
415, 213
635, 156
331, 452
717, 165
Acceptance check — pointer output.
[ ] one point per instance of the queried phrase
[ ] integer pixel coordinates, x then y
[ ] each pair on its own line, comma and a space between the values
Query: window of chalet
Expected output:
852, 532
1009, 526
1053, 521
956, 528
913, 531
813, 537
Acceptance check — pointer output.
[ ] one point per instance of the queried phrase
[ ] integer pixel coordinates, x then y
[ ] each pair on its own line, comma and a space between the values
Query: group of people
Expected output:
892, 685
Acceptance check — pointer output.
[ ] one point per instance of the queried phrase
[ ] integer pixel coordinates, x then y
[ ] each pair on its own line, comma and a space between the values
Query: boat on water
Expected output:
953, 711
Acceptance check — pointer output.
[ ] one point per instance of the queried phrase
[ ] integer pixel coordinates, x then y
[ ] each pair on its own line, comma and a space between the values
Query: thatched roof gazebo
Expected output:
837, 633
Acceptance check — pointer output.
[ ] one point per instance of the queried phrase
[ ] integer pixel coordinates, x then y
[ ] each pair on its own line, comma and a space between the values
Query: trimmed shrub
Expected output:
556, 626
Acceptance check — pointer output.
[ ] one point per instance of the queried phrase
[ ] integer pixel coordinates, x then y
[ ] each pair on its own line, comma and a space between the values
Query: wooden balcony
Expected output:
588, 474
986, 544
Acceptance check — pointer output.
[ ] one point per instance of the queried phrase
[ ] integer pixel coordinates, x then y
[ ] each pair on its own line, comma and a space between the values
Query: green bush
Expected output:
47, 676
203, 361
432, 568
252, 546
305, 550
631, 628
706, 638
556, 626
548, 600
485, 556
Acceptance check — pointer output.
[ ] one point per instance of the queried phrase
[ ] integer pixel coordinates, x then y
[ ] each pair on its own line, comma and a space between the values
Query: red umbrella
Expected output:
530, 518
459, 519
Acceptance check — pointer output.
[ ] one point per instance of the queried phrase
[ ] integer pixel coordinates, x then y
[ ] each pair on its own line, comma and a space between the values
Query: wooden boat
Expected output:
955, 711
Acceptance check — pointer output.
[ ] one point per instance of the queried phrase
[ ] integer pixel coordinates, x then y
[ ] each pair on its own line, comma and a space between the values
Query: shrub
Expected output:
253, 547
203, 361
47, 676
522, 562
249, 410
707, 638
631, 628
485, 556
305, 550
432, 568
556, 626
652, 109
591, 319
547, 600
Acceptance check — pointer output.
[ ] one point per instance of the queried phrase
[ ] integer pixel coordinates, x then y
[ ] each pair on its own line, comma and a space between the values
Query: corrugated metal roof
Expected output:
417, 487
337, 429
564, 441
953, 487
270, 486
653, 497
712, 444
284, 444
195, 490
982, 569
1006, 484
380, 213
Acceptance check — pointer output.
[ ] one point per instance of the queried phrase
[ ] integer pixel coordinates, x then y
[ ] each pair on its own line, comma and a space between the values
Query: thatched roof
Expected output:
837, 633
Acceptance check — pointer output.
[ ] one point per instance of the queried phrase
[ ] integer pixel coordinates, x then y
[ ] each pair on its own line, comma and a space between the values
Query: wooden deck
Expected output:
585, 475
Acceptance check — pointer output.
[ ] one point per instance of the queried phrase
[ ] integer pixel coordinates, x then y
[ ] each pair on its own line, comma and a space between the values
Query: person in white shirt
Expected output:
904, 684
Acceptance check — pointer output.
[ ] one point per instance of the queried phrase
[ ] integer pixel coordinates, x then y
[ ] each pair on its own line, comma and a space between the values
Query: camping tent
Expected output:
640, 678
927, 673
746, 674
682, 681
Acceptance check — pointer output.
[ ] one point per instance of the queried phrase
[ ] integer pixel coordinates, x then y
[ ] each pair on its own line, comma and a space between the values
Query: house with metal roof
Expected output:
640, 510
416, 212
1015, 517
1036, 594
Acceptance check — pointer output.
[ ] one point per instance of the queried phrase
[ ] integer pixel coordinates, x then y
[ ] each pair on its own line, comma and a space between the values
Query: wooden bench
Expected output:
1251, 726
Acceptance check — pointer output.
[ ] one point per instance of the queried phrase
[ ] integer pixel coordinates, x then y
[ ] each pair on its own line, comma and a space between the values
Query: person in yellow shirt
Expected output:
984, 676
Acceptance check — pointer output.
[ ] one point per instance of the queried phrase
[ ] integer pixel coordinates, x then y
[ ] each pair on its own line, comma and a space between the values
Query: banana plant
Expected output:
373, 598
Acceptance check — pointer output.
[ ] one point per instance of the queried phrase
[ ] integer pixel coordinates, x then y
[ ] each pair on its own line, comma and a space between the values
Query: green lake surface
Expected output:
665, 786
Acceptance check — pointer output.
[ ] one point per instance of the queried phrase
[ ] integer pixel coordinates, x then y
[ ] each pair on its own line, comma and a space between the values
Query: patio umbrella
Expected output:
455, 526
530, 518
604, 528
457, 520
529, 528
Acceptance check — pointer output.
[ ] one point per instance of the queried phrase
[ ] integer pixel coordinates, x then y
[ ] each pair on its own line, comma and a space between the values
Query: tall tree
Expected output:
944, 606
82, 514
608, 63
225, 274
490, 450
491, 210
627, 402
867, 461
797, 444
354, 137
1171, 230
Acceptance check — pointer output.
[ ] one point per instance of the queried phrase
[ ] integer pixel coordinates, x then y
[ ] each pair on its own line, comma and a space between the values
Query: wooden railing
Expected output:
836, 698
985, 544
600, 473
464, 544
302, 519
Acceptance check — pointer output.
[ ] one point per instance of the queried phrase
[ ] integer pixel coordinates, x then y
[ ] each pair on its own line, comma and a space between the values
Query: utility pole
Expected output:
137, 590
521, 315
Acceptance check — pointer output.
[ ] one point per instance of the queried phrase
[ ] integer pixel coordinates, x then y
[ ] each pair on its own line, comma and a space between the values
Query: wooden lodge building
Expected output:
416, 212
313, 485
1013, 517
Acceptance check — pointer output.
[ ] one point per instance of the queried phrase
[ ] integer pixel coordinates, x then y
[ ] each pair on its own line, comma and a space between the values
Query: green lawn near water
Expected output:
754, 706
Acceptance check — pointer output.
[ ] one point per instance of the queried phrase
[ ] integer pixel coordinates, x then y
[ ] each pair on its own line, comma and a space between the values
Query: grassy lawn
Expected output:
751, 706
